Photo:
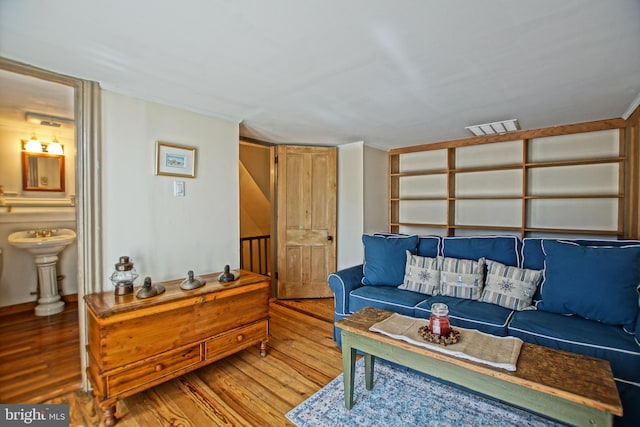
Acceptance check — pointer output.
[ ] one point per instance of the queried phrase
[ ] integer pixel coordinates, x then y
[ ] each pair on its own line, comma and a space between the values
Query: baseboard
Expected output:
30, 306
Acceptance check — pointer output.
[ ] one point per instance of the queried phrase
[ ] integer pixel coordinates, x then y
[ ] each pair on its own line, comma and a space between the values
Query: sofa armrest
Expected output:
342, 283
637, 332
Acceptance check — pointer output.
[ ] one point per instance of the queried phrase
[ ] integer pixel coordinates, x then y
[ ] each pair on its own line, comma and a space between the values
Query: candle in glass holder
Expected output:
439, 321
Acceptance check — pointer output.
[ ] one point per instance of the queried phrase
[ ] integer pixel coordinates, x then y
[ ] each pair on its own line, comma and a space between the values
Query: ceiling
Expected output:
24, 94
389, 73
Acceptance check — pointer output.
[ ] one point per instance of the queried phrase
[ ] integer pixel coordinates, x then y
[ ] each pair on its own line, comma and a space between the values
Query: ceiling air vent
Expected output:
494, 128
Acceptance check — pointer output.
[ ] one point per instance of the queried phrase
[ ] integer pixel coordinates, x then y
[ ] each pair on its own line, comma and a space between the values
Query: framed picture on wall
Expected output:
175, 160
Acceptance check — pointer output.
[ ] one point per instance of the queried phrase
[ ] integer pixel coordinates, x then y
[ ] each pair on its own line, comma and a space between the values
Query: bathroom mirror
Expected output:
42, 172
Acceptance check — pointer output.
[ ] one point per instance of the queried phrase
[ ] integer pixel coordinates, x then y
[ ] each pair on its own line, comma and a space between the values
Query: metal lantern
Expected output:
124, 276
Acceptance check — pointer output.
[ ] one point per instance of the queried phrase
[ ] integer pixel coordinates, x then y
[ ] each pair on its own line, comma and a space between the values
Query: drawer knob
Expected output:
159, 367
240, 337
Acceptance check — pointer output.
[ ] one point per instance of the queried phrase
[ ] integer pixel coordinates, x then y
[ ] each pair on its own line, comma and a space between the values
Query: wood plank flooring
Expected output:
39, 355
241, 390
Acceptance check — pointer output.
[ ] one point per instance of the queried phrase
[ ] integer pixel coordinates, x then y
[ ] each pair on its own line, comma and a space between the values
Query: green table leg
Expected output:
369, 362
348, 369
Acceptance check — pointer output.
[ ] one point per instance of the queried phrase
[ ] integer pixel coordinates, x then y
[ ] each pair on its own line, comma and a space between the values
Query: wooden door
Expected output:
306, 220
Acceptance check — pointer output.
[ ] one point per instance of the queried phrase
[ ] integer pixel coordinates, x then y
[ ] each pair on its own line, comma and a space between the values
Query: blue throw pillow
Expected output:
594, 282
385, 258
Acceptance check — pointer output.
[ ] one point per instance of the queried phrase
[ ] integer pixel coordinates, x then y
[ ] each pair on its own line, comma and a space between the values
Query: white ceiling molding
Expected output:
634, 105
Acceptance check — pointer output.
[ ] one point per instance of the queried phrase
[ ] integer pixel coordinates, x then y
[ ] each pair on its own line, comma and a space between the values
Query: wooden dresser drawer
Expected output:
155, 368
236, 339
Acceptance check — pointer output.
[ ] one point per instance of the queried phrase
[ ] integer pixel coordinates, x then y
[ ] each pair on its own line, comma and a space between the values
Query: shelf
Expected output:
514, 197
487, 168
574, 196
418, 199
486, 227
418, 224
444, 199
580, 162
420, 173
574, 231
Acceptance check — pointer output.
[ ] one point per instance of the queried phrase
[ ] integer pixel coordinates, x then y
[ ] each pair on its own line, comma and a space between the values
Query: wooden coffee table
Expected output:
569, 387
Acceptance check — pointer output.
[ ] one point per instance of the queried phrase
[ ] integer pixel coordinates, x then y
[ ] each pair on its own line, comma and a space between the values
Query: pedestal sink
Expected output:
45, 245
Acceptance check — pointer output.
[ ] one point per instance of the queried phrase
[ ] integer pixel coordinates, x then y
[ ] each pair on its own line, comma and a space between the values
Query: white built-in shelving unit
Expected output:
567, 180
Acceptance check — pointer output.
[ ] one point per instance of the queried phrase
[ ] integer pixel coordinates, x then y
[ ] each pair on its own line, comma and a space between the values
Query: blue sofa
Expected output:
585, 298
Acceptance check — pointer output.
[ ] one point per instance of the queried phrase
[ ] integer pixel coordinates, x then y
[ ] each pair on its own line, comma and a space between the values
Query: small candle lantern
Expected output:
124, 276
439, 320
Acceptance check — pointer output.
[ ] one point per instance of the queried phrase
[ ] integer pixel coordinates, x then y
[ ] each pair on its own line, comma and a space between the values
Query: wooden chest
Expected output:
135, 344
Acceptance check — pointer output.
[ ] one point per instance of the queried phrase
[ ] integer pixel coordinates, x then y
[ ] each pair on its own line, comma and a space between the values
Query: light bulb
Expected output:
55, 147
33, 145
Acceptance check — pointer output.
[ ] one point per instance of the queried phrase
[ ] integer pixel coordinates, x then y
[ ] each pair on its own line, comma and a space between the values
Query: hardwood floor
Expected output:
241, 390
40, 356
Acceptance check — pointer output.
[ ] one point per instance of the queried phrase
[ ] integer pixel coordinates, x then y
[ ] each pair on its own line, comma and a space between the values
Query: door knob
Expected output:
330, 238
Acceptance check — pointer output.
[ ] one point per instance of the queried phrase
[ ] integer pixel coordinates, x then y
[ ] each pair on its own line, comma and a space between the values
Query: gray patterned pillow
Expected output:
462, 278
510, 287
421, 275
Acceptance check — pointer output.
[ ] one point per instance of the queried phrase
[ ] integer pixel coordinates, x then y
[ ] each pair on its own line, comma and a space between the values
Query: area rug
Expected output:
402, 397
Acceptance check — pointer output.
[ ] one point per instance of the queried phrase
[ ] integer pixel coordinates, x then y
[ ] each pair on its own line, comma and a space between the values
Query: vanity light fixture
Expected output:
55, 147
494, 128
33, 145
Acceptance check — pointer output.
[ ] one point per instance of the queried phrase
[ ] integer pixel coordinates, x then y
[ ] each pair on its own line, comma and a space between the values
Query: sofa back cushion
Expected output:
385, 258
429, 246
533, 255
595, 282
504, 249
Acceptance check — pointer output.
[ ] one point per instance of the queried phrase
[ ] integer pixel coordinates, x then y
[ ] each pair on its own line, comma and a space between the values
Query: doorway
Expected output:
256, 206
289, 228
87, 200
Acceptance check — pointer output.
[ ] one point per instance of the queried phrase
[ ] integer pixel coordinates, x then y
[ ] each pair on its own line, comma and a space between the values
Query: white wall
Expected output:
362, 199
376, 190
350, 205
165, 235
19, 278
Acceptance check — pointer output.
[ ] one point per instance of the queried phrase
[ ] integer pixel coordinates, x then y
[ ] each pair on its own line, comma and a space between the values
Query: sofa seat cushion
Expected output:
470, 314
630, 396
385, 297
582, 336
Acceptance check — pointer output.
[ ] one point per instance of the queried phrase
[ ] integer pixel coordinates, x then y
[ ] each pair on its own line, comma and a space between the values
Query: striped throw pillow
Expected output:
421, 275
510, 287
462, 278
